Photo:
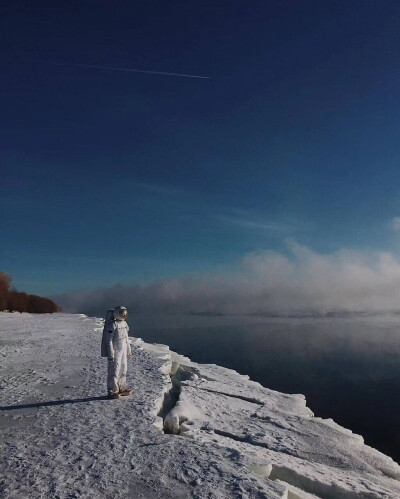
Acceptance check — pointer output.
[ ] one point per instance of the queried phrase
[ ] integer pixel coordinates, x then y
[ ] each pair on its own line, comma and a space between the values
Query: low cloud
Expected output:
395, 224
266, 282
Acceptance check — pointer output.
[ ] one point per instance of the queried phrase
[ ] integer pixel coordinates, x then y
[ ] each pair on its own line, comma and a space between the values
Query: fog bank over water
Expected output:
301, 283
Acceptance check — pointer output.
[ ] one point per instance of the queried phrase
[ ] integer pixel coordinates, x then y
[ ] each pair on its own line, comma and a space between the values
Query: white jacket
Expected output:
114, 334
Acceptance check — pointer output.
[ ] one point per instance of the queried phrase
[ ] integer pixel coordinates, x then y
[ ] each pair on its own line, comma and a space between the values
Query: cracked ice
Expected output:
189, 430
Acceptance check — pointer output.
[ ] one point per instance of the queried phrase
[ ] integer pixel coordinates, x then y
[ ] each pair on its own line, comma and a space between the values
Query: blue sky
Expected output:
116, 177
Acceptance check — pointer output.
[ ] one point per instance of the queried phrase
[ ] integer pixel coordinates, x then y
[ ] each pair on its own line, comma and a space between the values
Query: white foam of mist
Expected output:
264, 282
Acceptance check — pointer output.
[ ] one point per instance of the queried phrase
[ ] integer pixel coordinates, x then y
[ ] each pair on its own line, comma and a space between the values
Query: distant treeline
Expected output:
19, 301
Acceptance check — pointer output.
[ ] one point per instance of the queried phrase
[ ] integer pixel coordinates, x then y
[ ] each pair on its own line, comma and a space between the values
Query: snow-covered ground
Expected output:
189, 430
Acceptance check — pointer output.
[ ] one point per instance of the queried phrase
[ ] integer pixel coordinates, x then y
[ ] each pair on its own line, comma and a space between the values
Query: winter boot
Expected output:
113, 395
125, 392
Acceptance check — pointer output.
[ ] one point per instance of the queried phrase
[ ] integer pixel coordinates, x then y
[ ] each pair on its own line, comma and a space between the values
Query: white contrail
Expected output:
128, 70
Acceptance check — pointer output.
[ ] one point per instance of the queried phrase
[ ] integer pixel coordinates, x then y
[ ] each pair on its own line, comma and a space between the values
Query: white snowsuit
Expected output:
118, 349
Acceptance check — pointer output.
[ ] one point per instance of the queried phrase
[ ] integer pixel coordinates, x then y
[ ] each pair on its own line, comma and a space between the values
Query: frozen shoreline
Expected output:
232, 437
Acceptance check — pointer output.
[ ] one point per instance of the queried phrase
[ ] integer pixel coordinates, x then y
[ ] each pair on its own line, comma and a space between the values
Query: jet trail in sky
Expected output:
111, 68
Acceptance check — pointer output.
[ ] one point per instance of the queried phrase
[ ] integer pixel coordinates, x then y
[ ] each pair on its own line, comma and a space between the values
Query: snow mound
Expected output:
189, 430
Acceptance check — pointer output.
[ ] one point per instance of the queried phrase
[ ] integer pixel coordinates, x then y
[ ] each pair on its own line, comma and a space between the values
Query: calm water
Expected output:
348, 368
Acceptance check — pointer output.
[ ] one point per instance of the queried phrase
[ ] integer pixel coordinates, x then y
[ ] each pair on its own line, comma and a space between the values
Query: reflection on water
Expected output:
348, 368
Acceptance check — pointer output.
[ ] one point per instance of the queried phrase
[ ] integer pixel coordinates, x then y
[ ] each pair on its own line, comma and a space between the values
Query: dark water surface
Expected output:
348, 368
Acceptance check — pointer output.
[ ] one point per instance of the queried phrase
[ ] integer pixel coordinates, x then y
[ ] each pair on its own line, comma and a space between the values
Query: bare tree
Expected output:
5, 281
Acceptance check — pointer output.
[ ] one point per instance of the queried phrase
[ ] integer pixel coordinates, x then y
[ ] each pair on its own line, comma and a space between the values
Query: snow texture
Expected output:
188, 430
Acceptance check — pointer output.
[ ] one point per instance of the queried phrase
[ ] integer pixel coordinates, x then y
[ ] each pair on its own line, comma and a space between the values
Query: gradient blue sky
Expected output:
110, 176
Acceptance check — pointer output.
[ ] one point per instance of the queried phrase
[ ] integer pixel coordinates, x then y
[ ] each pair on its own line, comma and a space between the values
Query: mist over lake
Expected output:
347, 367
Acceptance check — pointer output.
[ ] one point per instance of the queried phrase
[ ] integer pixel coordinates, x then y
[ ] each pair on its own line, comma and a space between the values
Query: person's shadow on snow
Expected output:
52, 402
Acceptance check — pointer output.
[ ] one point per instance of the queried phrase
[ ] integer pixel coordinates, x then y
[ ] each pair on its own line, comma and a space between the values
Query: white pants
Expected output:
116, 380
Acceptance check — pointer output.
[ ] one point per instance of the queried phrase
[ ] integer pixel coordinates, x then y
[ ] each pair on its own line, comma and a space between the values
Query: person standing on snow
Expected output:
116, 346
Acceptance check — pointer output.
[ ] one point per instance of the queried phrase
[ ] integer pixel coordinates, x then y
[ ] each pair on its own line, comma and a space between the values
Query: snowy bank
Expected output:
189, 430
